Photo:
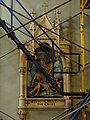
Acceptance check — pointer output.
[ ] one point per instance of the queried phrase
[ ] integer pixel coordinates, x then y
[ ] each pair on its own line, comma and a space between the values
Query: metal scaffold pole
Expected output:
82, 50
82, 42
82, 6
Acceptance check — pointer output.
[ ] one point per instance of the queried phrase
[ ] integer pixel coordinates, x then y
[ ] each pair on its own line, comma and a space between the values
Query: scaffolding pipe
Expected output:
84, 101
82, 44
74, 111
65, 112
12, 15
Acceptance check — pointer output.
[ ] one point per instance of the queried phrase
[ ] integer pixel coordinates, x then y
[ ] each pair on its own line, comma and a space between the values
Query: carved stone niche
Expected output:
44, 96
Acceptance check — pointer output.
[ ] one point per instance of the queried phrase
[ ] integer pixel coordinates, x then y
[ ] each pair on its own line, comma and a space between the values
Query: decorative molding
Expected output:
22, 113
45, 103
22, 109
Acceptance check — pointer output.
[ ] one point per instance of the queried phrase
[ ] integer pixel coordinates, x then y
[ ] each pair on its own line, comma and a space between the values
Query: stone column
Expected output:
22, 70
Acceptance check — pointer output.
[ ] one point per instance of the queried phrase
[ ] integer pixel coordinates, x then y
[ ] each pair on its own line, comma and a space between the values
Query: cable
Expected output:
87, 64
7, 53
87, 15
19, 30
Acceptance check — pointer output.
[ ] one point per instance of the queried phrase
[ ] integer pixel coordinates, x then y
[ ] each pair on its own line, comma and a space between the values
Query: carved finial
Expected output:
33, 12
45, 6
57, 21
57, 12
57, 18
